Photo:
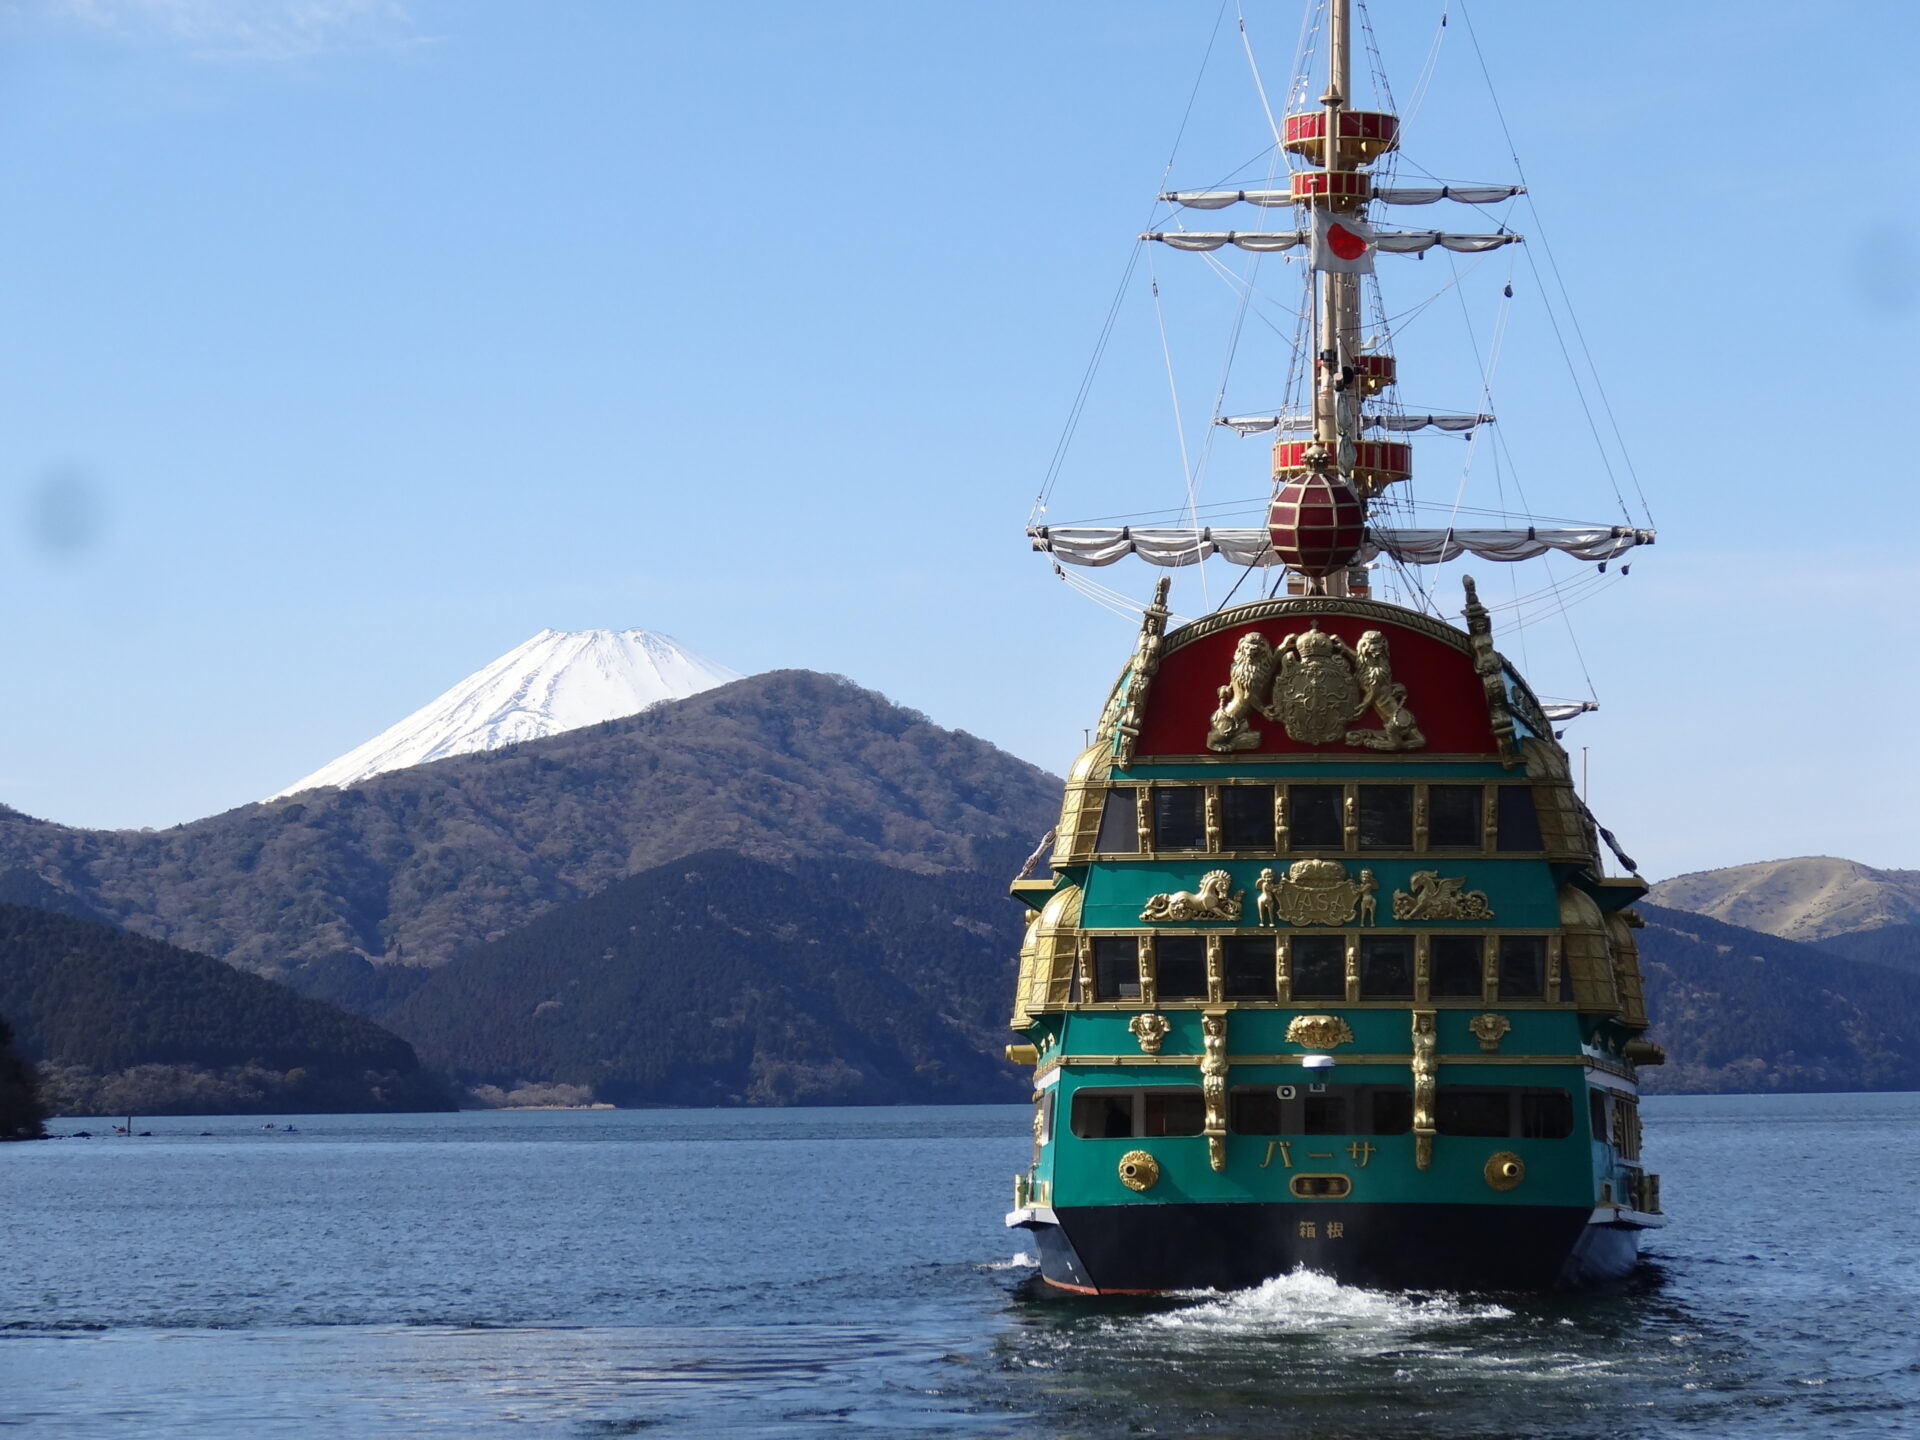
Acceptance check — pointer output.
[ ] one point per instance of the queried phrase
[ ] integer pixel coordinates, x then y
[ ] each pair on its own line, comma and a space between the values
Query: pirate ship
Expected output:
1326, 967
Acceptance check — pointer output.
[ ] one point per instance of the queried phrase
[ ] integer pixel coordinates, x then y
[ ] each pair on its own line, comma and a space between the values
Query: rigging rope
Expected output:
1539, 228
1078, 408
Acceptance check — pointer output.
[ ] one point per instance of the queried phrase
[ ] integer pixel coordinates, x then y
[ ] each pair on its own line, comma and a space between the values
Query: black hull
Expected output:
1148, 1249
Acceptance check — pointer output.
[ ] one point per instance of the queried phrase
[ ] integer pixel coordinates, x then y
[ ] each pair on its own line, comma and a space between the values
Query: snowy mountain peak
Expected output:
559, 680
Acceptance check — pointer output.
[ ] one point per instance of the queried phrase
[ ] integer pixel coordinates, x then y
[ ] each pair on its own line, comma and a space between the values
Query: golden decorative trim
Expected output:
1426, 1071
1320, 1187
1213, 1085
1401, 1059
1214, 900
1150, 1030
1488, 1030
1314, 892
1504, 1170
1319, 1032
1146, 663
1139, 1170
1437, 897
1316, 685
1297, 607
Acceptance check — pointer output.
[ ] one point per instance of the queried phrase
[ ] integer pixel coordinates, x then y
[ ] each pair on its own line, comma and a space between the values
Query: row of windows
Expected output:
1284, 819
1315, 967
1500, 1112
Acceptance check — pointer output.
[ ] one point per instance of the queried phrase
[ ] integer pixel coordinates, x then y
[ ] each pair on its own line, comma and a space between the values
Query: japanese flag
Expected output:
1342, 244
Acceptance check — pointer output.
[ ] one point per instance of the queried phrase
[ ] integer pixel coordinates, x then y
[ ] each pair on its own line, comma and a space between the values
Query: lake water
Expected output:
793, 1273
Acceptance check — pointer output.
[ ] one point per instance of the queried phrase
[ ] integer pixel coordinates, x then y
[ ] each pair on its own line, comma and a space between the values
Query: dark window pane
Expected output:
1175, 1112
1519, 825
1566, 982
1386, 817
1546, 1115
1386, 967
1116, 968
1246, 817
1180, 818
1597, 1114
1249, 966
1319, 967
1103, 1114
1453, 816
1180, 967
1324, 1115
1314, 819
1456, 965
1523, 967
1254, 1112
1120, 823
1392, 1112
1460, 1111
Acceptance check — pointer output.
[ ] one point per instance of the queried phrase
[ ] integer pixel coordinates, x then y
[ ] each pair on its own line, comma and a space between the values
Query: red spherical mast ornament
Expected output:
1317, 523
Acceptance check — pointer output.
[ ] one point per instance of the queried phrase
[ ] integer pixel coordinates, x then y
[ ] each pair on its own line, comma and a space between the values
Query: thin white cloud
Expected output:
250, 29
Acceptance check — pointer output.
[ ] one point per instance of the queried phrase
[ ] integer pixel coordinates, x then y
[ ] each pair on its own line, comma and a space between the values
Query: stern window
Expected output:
1456, 966
1116, 968
1314, 820
1180, 967
1120, 823
1246, 817
1319, 967
1453, 817
1386, 817
1180, 818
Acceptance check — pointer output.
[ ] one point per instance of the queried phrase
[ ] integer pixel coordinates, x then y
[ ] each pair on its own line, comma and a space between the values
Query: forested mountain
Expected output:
1895, 946
20, 1107
723, 980
421, 865
116, 1023
1738, 1010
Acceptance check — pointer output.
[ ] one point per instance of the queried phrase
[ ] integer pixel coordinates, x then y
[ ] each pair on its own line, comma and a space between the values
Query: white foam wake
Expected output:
1306, 1302
1022, 1261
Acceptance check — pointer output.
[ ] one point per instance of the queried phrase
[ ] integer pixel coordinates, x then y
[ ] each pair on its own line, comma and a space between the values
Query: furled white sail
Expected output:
1389, 194
1393, 242
1090, 545
1394, 424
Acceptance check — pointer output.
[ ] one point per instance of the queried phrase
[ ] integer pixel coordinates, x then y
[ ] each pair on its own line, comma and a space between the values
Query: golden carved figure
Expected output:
1149, 1029
1213, 1086
1139, 1170
1316, 685
1314, 892
1215, 900
1369, 897
1488, 1029
1319, 1032
1426, 1074
1146, 662
1437, 897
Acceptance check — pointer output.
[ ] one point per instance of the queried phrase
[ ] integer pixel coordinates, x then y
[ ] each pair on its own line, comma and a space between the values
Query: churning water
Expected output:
790, 1273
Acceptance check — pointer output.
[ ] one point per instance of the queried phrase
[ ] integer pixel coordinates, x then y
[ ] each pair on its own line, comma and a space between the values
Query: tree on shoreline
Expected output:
21, 1113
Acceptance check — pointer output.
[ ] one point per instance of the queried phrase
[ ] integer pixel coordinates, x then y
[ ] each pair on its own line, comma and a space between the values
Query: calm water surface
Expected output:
845, 1271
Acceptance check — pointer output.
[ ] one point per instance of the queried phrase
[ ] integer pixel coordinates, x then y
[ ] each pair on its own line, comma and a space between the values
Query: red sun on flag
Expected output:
1344, 243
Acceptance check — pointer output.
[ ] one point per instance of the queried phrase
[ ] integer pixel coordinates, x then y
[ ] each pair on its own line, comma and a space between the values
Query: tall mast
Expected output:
1338, 302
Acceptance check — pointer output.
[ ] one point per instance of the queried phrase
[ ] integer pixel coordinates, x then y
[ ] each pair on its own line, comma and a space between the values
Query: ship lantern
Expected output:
1317, 524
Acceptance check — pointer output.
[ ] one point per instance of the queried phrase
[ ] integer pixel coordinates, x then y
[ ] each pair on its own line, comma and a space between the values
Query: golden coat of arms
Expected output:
1316, 685
1315, 892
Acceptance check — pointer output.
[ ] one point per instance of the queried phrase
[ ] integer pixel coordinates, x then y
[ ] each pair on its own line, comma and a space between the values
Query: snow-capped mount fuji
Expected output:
559, 680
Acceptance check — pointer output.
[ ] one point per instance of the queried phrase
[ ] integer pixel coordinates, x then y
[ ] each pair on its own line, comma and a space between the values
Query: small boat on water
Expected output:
1326, 965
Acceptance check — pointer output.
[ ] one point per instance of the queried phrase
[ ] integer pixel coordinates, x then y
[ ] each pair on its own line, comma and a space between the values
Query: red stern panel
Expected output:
1446, 697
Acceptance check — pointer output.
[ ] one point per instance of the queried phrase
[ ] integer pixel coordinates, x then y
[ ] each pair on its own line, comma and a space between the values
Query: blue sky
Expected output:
344, 344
